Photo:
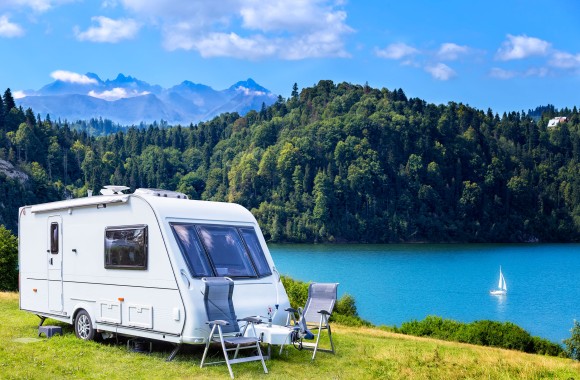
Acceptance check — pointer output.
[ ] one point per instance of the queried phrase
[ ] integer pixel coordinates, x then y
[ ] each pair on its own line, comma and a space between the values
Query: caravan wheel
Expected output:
84, 326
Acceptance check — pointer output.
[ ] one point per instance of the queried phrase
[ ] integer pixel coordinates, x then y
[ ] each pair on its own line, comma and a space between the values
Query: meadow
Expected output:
362, 353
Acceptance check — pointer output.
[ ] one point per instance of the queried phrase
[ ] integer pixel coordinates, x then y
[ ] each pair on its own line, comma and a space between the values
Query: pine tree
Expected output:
8, 100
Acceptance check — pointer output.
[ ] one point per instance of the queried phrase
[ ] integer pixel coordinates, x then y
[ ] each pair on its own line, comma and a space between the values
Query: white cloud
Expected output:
109, 30
116, 94
249, 29
70, 77
498, 73
230, 45
450, 51
36, 5
537, 72
440, 71
18, 94
520, 47
396, 51
9, 29
563, 60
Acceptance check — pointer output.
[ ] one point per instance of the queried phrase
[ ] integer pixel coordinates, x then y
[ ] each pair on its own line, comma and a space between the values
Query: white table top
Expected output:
274, 334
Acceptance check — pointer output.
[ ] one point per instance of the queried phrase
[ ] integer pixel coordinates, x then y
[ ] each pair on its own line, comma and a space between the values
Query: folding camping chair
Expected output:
224, 324
317, 311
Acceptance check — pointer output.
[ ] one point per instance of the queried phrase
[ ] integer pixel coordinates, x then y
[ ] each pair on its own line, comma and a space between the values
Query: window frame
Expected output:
209, 259
144, 265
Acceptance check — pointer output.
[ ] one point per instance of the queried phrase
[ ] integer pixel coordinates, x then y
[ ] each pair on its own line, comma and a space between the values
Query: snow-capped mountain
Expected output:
127, 100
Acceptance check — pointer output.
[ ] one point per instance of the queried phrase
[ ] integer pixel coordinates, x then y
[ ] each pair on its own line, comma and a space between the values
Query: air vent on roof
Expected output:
161, 193
112, 189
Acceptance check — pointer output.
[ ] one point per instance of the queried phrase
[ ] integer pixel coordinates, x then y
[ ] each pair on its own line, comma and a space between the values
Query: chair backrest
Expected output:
217, 297
321, 296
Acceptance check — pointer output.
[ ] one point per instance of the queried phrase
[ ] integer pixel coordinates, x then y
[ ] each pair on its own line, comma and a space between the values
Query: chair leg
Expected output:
330, 338
226, 357
317, 337
207, 346
261, 356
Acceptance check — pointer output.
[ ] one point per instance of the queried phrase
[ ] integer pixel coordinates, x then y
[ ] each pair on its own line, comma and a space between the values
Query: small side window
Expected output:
54, 238
126, 247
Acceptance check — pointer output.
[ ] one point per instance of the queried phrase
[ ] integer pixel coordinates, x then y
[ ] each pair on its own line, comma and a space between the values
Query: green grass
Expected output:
362, 353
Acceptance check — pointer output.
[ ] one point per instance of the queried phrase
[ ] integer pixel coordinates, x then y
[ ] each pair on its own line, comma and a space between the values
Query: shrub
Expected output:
484, 333
573, 343
8, 260
345, 311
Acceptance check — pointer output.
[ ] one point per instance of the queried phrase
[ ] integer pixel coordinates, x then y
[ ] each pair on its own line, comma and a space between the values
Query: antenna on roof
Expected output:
112, 190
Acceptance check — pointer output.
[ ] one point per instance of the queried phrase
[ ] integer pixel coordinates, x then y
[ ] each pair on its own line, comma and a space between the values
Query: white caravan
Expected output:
132, 264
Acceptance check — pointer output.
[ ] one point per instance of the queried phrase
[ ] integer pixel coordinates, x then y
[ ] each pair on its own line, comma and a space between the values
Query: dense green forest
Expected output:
332, 163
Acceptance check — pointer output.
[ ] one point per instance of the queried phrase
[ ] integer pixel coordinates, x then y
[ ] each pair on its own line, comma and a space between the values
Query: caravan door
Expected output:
54, 256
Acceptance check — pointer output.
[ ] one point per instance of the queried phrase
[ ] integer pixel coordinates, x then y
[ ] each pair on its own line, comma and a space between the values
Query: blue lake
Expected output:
395, 283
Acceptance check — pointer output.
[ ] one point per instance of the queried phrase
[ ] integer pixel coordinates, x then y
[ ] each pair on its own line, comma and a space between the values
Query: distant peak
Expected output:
93, 76
249, 84
123, 78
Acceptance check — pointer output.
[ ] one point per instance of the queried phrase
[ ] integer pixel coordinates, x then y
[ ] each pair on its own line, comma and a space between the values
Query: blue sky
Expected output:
504, 55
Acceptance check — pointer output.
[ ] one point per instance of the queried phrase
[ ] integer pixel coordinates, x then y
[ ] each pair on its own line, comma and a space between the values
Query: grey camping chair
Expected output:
224, 324
317, 311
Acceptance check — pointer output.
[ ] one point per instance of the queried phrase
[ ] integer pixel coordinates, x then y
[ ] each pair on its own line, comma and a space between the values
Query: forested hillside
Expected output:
332, 163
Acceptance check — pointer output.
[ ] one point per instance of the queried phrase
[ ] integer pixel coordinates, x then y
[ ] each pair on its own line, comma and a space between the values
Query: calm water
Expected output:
397, 283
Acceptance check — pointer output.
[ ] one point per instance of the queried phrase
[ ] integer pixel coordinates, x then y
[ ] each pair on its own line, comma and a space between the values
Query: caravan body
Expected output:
132, 264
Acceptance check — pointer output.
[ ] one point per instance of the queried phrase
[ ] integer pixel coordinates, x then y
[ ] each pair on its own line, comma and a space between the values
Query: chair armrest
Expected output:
219, 322
251, 319
324, 312
291, 310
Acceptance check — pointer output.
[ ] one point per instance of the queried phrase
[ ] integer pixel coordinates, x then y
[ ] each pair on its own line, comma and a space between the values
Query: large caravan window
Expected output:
218, 250
227, 252
192, 250
126, 247
251, 239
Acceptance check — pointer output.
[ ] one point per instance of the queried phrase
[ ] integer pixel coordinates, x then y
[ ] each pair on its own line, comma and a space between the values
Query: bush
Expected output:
573, 343
344, 311
484, 333
8, 260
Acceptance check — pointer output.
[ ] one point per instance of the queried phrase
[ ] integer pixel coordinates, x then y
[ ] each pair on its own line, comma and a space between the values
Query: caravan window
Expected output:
126, 247
227, 251
218, 250
190, 245
251, 239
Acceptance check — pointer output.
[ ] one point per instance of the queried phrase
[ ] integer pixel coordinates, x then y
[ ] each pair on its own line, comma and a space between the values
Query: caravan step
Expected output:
49, 331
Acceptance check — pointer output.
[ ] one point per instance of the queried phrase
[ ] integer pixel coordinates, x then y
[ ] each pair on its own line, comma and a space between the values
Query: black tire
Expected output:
84, 326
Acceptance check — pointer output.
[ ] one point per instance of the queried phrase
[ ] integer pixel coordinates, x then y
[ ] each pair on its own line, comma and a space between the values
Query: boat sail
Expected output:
501, 286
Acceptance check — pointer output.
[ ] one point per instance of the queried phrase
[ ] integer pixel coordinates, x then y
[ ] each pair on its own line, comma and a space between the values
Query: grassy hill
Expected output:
362, 353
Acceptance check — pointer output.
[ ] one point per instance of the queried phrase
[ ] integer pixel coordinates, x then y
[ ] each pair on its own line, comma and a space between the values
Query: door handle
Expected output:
51, 261
184, 275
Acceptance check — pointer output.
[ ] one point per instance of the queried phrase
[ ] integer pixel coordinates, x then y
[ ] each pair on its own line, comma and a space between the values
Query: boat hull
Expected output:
497, 292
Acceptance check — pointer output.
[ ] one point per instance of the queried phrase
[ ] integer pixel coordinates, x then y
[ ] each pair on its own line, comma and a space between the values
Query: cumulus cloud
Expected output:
116, 94
396, 51
499, 73
249, 29
450, 51
9, 29
520, 47
70, 77
109, 30
440, 71
564, 60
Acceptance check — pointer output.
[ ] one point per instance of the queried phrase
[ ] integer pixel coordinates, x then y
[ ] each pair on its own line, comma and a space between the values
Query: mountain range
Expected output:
127, 100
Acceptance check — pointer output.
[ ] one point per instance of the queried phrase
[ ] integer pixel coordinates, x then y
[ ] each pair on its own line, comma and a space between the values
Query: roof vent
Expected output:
161, 193
112, 190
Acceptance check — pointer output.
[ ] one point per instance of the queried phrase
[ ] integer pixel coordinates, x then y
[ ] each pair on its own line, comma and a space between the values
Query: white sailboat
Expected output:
501, 286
